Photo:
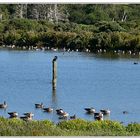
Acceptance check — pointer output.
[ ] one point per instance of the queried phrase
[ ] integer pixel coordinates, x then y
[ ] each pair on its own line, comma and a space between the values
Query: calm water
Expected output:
84, 80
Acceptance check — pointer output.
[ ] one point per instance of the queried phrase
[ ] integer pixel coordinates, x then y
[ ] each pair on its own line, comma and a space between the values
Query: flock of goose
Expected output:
27, 116
60, 112
98, 115
64, 115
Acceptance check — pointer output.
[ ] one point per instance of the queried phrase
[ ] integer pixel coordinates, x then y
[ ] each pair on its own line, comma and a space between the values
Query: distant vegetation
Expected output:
78, 127
71, 26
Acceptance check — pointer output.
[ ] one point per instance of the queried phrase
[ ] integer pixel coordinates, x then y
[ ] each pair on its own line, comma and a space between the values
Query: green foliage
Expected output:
111, 27
95, 30
77, 124
104, 127
77, 13
78, 127
133, 129
101, 35
90, 13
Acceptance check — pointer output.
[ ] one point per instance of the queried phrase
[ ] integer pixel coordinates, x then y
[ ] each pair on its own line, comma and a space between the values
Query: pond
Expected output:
84, 80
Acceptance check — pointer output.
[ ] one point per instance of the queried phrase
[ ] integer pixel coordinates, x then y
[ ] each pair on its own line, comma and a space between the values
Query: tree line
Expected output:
35, 27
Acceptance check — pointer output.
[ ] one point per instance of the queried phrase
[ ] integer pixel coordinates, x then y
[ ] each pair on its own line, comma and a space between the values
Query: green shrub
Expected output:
133, 129
78, 127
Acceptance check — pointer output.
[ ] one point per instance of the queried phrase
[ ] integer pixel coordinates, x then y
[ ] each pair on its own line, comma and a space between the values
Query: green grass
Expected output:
78, 127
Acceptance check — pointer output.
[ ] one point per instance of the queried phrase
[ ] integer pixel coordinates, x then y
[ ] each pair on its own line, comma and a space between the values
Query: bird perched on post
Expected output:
55, 58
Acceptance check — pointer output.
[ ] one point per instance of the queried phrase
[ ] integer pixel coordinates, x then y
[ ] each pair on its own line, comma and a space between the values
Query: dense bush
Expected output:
100, 35
97, 127
78, 127
133, 129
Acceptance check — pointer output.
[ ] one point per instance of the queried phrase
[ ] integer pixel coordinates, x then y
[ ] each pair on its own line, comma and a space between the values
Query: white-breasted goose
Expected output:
105, 111
90, 110
13, 114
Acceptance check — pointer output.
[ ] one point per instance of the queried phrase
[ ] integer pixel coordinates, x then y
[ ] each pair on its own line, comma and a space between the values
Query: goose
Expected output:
4, 105
13, 114
59, 111
99, 118
98, 114
105, 111
63, 115
29, 114
26, 118
48, 109
73, 117
90, 110
39, 105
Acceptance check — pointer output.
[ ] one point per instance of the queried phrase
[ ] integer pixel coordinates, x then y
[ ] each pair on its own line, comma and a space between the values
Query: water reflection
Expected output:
54, 99
54, 105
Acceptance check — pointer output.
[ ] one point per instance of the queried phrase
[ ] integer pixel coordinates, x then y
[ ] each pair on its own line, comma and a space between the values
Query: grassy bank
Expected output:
78, 127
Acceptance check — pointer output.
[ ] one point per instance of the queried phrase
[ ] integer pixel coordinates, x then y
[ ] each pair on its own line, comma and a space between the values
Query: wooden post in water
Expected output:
54, 68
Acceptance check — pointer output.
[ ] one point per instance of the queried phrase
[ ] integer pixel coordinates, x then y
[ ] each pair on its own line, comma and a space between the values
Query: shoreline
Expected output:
98, 51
